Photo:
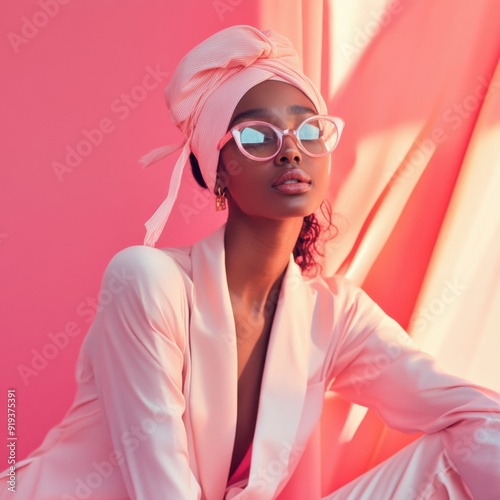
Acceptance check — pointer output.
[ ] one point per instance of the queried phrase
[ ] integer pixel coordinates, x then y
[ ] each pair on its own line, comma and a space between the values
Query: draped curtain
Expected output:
415, 183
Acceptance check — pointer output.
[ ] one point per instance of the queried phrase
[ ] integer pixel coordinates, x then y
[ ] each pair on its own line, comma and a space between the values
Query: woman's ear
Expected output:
222, 179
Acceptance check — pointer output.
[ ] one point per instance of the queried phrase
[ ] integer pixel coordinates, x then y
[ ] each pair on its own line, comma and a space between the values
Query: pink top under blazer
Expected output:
154, 416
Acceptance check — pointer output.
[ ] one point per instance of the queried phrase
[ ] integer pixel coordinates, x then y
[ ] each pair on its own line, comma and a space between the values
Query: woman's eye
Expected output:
251, 136
254, 136
309, 132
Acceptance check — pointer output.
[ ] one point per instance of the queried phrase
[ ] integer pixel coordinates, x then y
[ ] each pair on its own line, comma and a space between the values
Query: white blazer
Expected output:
155, 412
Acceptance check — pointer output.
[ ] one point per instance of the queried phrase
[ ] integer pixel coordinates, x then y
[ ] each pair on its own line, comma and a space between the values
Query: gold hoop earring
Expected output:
220, 200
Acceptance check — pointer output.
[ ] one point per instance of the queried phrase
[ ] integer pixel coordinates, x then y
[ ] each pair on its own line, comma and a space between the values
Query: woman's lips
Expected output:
293, 187
293, 181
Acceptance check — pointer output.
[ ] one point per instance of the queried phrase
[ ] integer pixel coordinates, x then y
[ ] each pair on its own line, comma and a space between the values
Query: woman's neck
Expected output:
257, 254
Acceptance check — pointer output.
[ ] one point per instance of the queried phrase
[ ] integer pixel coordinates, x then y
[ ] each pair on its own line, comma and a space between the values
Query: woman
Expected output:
205, 376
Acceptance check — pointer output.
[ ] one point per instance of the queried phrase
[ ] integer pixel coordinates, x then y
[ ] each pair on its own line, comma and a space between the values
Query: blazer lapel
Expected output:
277, 442
213, 385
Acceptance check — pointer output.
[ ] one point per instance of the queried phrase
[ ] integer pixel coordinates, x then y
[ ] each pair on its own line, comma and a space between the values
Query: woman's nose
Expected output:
289, 152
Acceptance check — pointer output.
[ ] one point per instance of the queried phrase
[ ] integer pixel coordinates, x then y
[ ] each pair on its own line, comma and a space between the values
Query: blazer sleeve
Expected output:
135, 348
376, 364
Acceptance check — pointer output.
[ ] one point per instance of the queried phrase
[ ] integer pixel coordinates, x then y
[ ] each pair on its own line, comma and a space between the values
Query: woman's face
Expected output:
256, 188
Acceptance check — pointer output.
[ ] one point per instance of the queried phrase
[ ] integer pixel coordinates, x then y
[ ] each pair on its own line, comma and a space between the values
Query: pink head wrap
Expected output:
205, 89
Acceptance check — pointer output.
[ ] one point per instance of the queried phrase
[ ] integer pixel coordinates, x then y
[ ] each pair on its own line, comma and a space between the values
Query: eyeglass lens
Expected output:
318, 136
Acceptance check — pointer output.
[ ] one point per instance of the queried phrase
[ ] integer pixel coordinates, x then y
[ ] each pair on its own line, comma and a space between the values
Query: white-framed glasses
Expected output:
316, 136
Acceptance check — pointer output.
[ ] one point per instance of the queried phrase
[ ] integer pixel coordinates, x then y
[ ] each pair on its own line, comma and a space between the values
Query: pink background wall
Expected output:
58, 232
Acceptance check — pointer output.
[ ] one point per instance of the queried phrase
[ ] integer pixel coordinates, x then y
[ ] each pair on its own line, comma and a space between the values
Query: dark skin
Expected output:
262, 228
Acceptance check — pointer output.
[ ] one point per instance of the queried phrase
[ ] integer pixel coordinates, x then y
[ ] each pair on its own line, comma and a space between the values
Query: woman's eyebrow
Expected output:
296, 109
301, 110
251, 113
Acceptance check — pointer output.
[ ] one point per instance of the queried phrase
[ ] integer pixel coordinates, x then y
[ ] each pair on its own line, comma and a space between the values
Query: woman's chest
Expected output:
251, 352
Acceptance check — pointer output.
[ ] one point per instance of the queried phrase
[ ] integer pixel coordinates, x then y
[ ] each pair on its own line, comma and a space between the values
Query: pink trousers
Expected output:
420, 471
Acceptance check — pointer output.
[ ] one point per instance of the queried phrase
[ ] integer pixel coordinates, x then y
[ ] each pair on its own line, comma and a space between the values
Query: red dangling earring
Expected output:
220, 200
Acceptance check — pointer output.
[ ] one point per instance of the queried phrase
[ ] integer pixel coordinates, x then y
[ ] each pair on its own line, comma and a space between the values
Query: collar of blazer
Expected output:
280, 434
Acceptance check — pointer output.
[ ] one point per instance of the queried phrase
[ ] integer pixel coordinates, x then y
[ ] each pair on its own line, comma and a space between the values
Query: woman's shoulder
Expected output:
337, 285
151, 264
346, 297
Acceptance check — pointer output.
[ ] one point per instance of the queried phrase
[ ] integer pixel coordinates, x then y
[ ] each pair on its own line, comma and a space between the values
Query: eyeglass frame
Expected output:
230, 134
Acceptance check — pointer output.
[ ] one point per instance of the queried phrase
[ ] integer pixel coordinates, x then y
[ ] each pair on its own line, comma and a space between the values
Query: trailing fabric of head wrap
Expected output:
205, 89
